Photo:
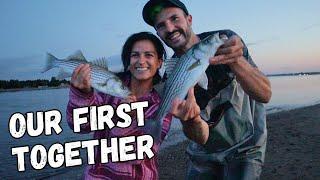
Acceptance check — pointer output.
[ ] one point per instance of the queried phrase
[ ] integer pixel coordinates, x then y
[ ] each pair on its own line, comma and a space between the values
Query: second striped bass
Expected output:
183, 73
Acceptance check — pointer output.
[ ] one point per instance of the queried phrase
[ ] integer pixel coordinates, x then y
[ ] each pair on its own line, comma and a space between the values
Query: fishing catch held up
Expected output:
102, 79
183, 73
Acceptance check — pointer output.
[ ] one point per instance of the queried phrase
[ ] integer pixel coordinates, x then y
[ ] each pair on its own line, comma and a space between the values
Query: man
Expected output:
229, 134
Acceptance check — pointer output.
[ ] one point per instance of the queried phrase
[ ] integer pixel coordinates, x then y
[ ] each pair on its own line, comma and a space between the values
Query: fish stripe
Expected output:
98, 75
182, 78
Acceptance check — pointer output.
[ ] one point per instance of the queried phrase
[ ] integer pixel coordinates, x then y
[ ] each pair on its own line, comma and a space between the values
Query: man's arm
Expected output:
253, 82
188, 111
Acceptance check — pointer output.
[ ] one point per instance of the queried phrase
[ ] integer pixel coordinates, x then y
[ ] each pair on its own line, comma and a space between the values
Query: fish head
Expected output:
207, 47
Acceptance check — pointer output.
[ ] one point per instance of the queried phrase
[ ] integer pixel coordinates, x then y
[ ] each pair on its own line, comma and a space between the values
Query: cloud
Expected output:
312, 26
22, 67
263, 41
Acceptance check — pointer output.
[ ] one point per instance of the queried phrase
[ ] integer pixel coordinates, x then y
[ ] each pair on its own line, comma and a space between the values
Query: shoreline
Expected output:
31, 89
292, 149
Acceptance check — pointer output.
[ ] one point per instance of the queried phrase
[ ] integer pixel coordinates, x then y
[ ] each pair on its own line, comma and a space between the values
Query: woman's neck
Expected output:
140, 88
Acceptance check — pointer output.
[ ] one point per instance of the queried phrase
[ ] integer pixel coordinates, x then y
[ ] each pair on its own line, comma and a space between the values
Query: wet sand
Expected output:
293, 149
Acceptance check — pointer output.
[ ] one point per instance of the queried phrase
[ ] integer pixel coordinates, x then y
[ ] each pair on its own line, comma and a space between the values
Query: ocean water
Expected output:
288, 92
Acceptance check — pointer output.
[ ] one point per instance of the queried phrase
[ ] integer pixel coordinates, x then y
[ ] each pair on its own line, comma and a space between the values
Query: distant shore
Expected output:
295, 74
65, 86
32, 89
292, 149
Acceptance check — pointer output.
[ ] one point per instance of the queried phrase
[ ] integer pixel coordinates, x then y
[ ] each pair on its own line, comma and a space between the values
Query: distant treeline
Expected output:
13, 84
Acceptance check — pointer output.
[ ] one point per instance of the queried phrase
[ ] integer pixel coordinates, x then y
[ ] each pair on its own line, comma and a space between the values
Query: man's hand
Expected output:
188, 112
253, 82
186, 109
81, 78
230, 52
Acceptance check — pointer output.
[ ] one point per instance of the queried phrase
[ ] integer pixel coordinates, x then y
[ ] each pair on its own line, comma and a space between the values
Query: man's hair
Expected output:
128, 45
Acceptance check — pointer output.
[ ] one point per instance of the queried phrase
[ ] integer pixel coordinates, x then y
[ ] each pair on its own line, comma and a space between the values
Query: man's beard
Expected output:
186, 36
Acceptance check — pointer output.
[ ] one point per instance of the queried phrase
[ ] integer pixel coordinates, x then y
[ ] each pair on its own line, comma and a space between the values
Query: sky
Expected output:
282, 35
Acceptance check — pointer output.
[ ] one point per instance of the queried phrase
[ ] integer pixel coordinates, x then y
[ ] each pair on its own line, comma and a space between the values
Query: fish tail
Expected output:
49, 62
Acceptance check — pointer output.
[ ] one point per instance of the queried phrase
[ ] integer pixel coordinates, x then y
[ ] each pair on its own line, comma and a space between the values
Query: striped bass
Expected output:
183, 73
102, 79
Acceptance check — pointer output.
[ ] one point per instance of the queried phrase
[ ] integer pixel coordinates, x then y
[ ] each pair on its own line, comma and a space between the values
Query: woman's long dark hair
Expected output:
128, 45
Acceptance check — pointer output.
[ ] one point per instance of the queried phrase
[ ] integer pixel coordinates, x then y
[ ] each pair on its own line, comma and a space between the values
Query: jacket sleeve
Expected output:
166, 126
79, 99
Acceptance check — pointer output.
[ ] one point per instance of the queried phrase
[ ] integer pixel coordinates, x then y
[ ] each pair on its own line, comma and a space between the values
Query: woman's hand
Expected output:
129, 99
81, 78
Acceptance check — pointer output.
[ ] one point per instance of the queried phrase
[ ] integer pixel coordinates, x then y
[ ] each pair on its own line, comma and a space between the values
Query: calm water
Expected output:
294, 91
288, 92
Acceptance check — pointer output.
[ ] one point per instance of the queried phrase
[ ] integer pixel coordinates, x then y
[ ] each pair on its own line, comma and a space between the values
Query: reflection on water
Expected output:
32, 101
294, 91
288, 92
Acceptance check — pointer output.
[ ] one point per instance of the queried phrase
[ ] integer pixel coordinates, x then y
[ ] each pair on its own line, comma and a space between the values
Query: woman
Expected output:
142, 56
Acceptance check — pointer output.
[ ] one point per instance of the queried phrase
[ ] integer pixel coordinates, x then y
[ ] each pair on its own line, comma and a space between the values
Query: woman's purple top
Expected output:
137, 169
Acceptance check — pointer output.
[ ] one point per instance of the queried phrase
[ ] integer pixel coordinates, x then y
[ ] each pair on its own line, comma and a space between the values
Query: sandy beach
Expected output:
292, 149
